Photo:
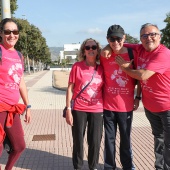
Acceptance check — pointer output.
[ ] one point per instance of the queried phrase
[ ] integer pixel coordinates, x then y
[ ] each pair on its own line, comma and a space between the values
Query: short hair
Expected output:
147, 25
81, 55
6, 20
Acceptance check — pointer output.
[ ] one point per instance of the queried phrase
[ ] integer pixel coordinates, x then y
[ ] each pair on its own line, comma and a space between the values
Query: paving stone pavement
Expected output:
47, 104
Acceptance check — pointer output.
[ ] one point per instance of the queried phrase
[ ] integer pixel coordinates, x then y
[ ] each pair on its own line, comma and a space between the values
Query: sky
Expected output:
72, 21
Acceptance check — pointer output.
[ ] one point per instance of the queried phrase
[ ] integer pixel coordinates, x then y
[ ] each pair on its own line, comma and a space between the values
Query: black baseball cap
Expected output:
115, 30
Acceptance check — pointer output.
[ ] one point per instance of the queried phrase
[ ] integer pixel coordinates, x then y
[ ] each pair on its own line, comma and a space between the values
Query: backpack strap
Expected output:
130, 52
20, 55
0, 54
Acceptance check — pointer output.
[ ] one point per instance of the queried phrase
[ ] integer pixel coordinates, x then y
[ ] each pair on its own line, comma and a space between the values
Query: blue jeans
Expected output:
124, 121
160, 124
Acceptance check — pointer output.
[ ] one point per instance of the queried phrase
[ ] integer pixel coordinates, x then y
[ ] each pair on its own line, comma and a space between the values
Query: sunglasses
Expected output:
151, 35
8, 32
93, 47
111, 39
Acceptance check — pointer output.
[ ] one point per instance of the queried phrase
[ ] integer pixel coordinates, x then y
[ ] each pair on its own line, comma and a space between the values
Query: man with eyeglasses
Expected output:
119, 102
153, 71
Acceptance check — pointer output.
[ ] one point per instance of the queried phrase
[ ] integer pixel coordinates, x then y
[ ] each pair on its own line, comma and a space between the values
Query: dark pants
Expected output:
16, 137
94, 135
124, 121
160, 124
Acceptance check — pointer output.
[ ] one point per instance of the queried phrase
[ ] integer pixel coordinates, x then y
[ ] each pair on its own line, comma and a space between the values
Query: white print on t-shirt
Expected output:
112, 62
119, 78
118, 90
144, 82
92, 92
13, 72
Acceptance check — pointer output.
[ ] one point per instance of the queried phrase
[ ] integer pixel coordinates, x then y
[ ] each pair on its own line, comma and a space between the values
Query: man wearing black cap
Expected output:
119, 102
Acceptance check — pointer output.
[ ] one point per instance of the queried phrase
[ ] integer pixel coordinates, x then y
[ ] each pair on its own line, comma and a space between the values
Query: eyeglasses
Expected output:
118, 39
8, 32
152, 35
93, 47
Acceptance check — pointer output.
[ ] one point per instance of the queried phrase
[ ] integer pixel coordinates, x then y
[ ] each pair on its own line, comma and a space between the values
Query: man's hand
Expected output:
122, 63
106, 52
136, 104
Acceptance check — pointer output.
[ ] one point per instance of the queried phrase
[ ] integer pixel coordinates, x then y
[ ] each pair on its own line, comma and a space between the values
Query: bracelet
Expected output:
68, 108
28, 106
138, 97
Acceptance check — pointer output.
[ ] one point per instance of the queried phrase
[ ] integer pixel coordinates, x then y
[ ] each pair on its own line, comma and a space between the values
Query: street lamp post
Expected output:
5, 9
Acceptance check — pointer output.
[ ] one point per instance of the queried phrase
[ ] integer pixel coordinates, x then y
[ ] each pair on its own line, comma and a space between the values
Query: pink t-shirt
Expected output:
90, 100
156, 89
118, 86
11, 71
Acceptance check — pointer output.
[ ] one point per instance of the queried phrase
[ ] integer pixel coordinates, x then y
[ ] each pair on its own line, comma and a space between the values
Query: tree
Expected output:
166, 32
31, 43
13, 6
132, 40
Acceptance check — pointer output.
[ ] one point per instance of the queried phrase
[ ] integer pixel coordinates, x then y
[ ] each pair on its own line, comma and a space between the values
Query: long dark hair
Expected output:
4, 21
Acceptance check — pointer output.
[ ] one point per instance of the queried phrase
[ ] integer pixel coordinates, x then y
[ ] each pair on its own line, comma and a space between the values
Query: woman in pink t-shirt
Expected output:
12, 86
88, 106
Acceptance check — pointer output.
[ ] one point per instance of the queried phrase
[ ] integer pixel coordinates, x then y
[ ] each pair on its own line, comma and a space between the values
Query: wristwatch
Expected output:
138, 97
68, 108
28, 106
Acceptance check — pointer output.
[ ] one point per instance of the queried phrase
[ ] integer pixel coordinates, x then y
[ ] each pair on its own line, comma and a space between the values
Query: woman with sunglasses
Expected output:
12, 86
88, 106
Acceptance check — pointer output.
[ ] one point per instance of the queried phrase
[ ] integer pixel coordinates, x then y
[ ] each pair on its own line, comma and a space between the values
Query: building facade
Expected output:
70, 53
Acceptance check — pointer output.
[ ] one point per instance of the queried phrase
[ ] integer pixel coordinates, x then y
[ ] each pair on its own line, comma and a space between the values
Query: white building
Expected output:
70, 52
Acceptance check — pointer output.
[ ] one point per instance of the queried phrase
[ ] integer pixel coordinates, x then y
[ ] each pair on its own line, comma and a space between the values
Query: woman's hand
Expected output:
69, 117
28, 115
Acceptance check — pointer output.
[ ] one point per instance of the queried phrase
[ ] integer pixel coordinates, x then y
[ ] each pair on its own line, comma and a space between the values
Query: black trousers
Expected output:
94, 124
123, 120
160, 124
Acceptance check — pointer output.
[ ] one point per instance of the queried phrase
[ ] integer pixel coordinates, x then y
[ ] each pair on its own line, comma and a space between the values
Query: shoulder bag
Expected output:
72, 101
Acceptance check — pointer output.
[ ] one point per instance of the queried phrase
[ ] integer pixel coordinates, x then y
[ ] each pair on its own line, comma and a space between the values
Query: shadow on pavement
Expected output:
51, 89
41, 160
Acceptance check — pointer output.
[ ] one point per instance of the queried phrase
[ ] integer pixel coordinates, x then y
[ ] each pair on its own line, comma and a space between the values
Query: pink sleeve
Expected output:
133, 46
158, 63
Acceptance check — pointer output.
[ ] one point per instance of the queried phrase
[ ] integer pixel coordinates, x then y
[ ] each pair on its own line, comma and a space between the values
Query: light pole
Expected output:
5, 9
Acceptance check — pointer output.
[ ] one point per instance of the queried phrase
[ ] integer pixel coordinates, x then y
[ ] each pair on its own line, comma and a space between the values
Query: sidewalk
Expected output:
56, 154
